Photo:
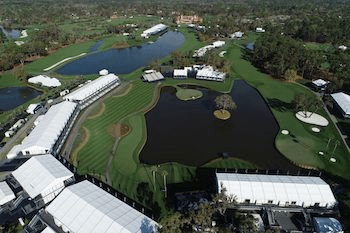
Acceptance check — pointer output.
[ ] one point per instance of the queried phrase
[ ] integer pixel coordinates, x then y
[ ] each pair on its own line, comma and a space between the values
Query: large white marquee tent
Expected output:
154, 30
92, 88
45, 81
84, 208
343, 101
6, 193
42, 174
44, 136
280, 190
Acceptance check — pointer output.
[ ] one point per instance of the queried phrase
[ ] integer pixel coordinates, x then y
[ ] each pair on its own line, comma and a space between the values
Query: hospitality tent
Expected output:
45, 81
92, 88
343, 102
84, 208
178, 73
154, 30
42, 175
152, 77
44, 136
6, 193
304, 191
209, 74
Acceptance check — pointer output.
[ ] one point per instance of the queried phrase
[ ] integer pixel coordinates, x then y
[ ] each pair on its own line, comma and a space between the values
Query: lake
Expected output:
11, 97
188, 133
124, 61
13, 33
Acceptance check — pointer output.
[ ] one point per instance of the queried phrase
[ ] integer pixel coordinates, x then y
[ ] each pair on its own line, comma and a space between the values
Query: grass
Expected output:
303, 147
9, 79
39, 65
188, 94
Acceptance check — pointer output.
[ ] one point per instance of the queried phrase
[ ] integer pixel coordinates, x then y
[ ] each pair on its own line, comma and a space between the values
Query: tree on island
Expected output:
224, 102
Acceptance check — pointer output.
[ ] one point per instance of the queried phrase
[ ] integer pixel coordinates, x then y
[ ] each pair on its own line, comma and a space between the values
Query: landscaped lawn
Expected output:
9, 79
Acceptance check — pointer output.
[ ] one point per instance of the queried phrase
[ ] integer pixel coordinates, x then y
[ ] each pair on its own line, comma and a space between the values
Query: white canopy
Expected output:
319, 82
92, 88
45, 81
44, 136
210, 74
6, 193
44, 175
153, 30
32, 108
343, 100
181, 73
103, 72
150, 77
84, 208
280, 190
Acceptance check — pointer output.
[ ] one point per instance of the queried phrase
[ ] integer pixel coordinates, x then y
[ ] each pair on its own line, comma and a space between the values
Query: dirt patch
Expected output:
118, 130
99, 113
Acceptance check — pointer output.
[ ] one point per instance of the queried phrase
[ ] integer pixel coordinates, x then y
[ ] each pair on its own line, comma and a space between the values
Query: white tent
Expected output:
85, 208
6, 193
343, 101
151, 77
209, 74
92, 88
279, 190
154, 30
180, 73
44, 136
103, 72
33, 108
45, 81
44, 175
48, 230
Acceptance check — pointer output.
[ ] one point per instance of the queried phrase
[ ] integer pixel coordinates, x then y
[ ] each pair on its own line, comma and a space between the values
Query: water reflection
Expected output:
12, 97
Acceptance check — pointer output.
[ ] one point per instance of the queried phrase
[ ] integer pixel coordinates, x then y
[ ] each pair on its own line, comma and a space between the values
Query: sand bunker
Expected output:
312, 118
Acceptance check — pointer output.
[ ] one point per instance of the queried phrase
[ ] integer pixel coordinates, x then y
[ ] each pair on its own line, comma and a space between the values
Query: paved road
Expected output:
24, 130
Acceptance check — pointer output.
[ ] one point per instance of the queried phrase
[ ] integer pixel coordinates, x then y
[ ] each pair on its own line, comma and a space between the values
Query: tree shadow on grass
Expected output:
280, 105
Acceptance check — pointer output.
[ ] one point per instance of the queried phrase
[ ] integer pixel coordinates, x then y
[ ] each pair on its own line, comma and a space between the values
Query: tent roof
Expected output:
49, 128
153, 76
279, 188
92, 87
178, 72
319, 82
31, 107
45, 81
48, 230
39, 172
6, 193
155, 29
343, 100
85, 208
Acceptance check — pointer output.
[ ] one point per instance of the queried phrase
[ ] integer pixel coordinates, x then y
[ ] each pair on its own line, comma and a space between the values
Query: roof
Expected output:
103, 72
92, 87
178, 72
6, 193
319, 82
50, 127
343, 100
219, 43
155, 29
32, 107
48, 230
327, 225
39, 173
153, 76
45, 81
84, 207
304, 190
207, 72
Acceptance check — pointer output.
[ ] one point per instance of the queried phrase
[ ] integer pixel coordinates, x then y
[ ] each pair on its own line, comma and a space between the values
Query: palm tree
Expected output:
225, 102
165, 173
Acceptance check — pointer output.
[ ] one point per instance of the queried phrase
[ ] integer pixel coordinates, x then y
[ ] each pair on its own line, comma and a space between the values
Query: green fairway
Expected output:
39, 65
9, 79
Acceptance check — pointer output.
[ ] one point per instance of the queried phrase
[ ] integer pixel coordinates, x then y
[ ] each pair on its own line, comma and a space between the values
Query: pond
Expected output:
13, 33
123, 61
188, 133
11, 97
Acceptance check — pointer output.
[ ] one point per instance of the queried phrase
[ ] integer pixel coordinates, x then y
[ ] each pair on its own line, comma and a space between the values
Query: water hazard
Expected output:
12, 97
187, 131
123, 61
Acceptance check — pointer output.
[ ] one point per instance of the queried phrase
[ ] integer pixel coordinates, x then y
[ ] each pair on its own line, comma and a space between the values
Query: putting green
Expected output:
188, 94
222, 114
